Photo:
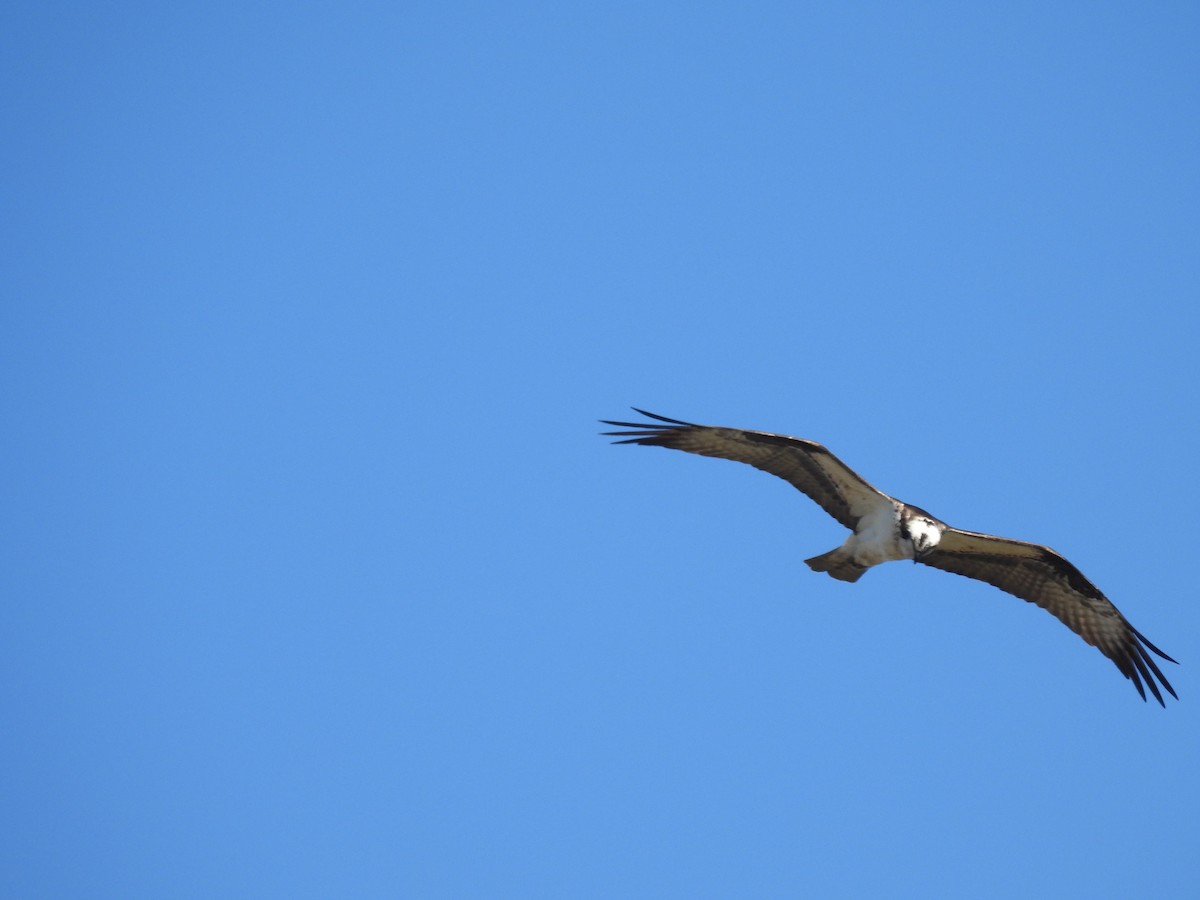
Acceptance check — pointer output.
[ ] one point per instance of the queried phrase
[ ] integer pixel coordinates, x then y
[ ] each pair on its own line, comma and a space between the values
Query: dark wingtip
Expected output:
1141, 637
1139, 667
651, 415
1149, 662
643, 431
1140, 664
1132, 675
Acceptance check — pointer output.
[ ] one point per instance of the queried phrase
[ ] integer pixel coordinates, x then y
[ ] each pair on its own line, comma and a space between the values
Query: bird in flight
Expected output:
884, 528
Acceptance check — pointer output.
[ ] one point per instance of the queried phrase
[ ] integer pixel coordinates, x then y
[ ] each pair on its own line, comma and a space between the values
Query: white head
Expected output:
923, 532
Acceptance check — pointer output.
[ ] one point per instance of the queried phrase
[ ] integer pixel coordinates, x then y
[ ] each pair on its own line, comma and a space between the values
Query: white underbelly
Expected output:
878, 538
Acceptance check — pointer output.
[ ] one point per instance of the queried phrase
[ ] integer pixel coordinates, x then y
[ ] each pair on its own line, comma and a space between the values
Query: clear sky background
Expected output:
318, 582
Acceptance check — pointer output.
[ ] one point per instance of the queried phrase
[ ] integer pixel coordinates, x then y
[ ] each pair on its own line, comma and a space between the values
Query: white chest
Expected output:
878, 538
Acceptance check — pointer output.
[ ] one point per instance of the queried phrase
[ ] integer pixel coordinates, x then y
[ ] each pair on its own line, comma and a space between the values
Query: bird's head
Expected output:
923, 532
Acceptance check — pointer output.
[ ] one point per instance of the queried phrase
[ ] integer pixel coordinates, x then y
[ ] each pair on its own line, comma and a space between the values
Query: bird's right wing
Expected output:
806, 465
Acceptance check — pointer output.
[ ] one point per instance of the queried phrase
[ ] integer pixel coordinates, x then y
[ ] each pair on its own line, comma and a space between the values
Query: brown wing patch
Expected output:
806, 465
1039, 575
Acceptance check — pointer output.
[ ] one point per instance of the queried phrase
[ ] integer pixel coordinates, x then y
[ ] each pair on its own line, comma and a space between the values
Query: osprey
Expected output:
884, 528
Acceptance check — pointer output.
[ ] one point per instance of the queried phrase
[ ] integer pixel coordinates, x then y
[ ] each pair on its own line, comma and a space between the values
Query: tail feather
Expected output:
838, 564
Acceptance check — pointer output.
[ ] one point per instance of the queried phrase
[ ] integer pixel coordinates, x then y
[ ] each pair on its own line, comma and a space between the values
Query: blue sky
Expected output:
319, 583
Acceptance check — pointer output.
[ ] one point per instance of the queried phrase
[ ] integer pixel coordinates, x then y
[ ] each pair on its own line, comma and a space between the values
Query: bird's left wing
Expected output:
806, 465
1042, 576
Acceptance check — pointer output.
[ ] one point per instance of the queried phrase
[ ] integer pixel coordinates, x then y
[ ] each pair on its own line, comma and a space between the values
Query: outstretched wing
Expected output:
1040, 575
805, 465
